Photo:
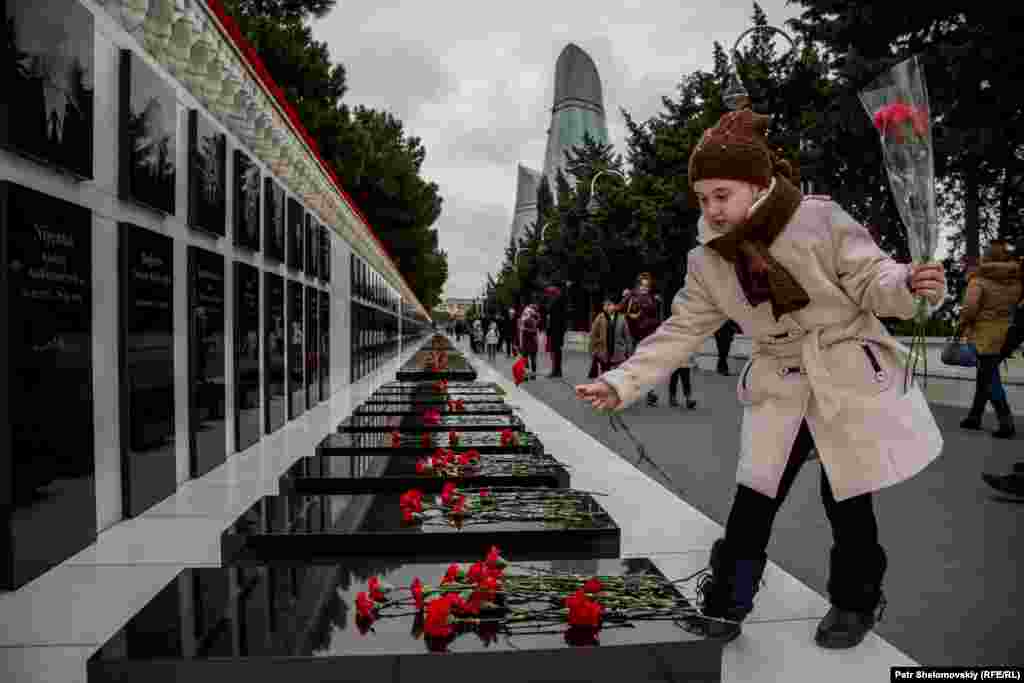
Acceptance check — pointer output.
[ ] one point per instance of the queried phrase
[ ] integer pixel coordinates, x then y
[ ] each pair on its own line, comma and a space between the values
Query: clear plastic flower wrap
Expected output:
897, 102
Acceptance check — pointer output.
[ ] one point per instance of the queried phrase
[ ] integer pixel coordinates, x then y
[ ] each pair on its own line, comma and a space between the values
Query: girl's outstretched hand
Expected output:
601, 396
928, 280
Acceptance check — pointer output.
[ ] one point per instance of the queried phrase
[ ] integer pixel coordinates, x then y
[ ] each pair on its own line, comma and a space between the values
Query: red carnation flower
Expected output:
519, 370
417, 592
477, 572
447, 491
437, 622
396, 439
373, 585
453, 438
364, 606
458, 505
507, 436
425, 440
424, 466
592, 585
453, 575
494, 559
583, 611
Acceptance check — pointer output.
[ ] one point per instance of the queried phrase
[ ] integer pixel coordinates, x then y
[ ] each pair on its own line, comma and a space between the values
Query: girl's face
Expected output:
725, 203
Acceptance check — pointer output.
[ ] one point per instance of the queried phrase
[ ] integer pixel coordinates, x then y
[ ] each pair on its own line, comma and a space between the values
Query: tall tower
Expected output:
578, 108
527, 183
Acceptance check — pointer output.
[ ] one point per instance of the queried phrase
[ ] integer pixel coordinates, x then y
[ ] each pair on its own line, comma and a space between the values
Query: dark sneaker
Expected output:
1012, 484
973, 423
690, 404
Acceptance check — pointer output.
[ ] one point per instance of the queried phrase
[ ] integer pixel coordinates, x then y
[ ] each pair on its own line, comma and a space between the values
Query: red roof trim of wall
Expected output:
250, 54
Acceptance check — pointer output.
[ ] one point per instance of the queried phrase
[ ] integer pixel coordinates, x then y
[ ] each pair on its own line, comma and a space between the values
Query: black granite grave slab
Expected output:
296, 234
462, 386
270, 622
246, 187
274, 345
325, 345
264, 536
47, 463
296, 350
325, 253
457, 422
149, 130
392, 398
417, 408
273, 220
46, 112
148, 462
312, 246
312, 349
324, 475
207, 366
351, 444
207, 175
248, 415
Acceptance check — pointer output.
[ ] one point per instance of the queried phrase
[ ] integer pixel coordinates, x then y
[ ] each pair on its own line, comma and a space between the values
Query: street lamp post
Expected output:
736, 96
592, 202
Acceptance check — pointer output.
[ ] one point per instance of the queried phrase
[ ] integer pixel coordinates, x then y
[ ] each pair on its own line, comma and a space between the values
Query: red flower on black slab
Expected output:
447, 491
374, 586
424, 466
592, 585
583, 611
507, 437
425, 440
477, 572
484, 492
437, 621
453, 575
458, 505
411, 500
431, 417
494, 559
396, 439
417, 592
364, 606
453, 438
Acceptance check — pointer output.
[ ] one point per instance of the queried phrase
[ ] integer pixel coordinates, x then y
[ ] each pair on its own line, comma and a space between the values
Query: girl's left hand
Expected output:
928, 280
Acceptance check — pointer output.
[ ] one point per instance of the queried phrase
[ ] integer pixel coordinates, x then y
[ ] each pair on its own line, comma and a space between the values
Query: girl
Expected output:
492, 341
529, 323
806, 282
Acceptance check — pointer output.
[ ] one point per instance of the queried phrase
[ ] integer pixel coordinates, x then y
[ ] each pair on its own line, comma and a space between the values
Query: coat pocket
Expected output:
861, 365
765, 378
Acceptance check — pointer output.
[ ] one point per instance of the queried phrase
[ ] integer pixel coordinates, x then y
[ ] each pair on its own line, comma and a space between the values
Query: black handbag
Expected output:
959, 353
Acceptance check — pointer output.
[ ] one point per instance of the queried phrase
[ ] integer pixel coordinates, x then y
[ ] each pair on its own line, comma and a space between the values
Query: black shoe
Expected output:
1005, 431
971, 422
724, 372
726, 595
690, 404
842, 629
1012, 484
652, 398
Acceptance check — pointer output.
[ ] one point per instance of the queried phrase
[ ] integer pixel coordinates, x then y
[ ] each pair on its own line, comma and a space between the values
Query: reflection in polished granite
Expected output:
385, 397
207, 362
247, 356
149, 465
207, 175
312, 340
296, 351
453, 386
353, 443
304, 526
246, 202
296, 234
274, 344
47, 459
264, 621
273, 220
324, 344
149, 130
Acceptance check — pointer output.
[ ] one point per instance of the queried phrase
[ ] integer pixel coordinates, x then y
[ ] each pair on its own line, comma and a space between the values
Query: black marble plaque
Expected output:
325, 346
47, 465
296, 234
246, 202
312, 246
247, 356
411, 444
273, 220
591, 531
207, 175
207, 367
274, 344
296, 351
149, 129
312, 350
46, 111
325, 253
146, 304
268, 631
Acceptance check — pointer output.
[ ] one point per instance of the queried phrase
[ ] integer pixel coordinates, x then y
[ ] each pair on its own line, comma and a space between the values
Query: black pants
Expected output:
531, 360
506, 342
680, 374
858, 562
723, 340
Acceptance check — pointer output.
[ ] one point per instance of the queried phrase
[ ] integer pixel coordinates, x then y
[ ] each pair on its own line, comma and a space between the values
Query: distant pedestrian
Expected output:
478, 336
506, 329
723, 341
492, 339
529, 322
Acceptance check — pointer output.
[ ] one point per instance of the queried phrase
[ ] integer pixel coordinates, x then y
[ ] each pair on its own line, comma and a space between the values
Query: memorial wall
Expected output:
168, 298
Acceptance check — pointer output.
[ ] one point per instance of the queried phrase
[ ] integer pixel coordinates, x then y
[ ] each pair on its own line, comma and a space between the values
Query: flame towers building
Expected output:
578, 110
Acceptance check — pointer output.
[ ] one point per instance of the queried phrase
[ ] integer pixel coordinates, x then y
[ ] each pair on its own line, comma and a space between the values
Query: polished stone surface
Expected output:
296, 234
325, 253
312, 246
324, 344
246, 187
149, 129
309, 527
274, 342
224, 622
419, 407
47, 109
248, 412
207, 363
207, 175
312, 355
146, 300
296, 350
353, 443
407, 424
47, 460
273, 220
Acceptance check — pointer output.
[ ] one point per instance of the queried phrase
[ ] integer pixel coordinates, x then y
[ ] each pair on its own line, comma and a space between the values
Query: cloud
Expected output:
475, 82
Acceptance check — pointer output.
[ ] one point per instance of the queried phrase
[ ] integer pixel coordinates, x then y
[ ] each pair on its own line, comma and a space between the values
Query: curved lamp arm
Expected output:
736, 96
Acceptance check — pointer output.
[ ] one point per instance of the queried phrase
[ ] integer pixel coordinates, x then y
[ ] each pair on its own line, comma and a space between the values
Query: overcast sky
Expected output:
475, 82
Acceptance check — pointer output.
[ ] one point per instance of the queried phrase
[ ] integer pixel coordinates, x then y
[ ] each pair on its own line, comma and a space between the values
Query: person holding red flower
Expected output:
808, 284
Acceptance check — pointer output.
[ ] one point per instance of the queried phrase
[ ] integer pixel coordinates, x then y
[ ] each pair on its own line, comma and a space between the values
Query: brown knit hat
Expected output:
735, 149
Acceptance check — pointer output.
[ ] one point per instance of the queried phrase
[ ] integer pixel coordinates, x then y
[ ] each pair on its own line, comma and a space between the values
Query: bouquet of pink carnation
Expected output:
897, 102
